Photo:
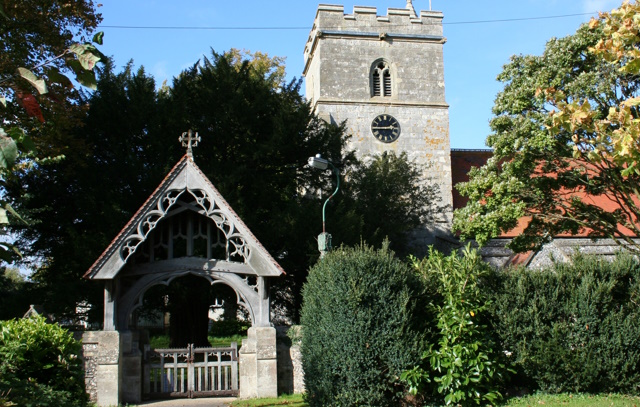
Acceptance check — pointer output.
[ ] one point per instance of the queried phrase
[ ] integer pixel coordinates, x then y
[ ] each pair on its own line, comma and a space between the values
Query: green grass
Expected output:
538, 400
294, 400
574, 400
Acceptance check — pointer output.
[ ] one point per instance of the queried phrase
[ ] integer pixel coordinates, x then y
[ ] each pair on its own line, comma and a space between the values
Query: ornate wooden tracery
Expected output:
185, 227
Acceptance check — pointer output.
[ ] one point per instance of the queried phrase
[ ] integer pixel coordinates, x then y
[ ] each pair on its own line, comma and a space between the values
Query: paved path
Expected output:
200, 402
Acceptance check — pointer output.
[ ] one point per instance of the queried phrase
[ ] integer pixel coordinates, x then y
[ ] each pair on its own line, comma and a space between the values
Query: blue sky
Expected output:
474, 53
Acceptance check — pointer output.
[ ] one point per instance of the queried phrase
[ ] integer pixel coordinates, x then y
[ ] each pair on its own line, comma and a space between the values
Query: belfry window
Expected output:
381, 80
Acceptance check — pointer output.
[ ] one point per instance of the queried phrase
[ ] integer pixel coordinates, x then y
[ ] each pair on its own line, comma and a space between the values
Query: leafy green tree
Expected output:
73, 213
41, 42
385, 198
40, 365
549, 171
257, 135
14, 293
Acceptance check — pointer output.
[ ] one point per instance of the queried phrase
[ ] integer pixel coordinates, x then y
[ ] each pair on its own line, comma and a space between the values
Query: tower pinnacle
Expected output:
410, 7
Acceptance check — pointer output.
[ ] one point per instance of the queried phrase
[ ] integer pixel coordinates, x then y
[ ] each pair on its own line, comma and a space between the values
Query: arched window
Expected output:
381, 80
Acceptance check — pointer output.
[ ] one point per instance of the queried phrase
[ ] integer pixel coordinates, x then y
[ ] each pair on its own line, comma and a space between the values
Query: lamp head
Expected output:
318, 162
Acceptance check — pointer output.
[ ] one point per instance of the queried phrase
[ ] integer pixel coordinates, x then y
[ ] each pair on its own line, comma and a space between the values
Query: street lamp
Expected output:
324, 238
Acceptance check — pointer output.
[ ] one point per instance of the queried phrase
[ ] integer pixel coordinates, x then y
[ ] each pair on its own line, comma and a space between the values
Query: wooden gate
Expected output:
191, 372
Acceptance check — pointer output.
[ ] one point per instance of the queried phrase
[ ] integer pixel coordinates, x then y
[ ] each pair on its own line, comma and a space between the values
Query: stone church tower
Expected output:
384, 75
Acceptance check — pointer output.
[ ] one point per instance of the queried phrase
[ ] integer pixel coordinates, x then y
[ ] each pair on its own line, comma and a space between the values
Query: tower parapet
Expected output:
398, 24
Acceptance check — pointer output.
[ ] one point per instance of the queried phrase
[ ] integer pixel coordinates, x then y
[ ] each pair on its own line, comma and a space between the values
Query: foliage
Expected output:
41, 42
256, 139
574, 327
362, 328
14, 290
559, 161
465, 366
40, 364
229, 327
385, 197
271, 69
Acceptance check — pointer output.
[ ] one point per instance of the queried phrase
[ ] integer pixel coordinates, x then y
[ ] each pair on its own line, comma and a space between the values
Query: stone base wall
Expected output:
101, 355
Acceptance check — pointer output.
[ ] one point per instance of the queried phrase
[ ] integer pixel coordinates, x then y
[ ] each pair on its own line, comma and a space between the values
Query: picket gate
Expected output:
191, 372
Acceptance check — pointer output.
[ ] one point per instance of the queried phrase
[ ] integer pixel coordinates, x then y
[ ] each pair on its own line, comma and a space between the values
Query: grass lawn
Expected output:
574, 400
294, 400
559, 400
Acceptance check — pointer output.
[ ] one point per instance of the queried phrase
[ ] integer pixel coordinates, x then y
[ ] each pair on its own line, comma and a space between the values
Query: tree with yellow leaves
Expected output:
566, 141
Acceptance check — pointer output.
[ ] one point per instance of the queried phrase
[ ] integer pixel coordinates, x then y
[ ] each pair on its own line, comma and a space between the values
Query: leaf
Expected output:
3, 101
97, 38
84, 77
4, 219
55, 76
38, 83
31, 105
8, 152
2, 13
88, 60
8, 208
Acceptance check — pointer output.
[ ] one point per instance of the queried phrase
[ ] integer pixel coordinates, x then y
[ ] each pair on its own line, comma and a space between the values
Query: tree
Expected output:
385, 198
257, 135
558, 164
39, 47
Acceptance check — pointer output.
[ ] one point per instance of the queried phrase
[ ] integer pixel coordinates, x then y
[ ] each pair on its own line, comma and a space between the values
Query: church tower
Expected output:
384, 75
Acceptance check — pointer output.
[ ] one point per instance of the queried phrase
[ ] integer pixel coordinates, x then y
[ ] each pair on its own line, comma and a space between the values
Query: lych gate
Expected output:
184, 228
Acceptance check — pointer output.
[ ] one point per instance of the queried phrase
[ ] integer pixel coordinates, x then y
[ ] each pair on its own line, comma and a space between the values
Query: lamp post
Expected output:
324, 238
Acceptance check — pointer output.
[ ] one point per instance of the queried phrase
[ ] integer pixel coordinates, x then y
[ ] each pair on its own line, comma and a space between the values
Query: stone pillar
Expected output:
258, 364
130, 368
104, 358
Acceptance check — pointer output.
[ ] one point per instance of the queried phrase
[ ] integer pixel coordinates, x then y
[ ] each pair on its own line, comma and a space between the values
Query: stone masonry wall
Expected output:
339, 55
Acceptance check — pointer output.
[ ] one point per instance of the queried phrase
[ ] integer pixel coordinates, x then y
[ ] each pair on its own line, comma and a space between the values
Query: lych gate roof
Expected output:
186, 178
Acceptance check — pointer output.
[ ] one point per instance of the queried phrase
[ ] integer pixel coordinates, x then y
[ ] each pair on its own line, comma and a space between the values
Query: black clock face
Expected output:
385, 128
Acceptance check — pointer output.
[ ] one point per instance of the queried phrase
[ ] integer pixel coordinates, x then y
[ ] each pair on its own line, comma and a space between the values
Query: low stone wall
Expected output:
101, 355
290, 373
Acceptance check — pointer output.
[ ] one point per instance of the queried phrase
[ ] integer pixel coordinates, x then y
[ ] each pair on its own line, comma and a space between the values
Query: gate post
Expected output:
258, 364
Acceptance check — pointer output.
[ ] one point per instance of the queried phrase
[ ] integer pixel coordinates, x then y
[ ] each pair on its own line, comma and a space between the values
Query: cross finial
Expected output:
189, 140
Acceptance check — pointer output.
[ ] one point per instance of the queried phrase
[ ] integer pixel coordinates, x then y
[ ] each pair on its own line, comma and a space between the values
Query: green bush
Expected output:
229, 328
465, 366
40, 365
361, 328
575, 327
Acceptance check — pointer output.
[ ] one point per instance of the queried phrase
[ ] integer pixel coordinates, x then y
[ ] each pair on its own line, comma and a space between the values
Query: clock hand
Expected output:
383, 128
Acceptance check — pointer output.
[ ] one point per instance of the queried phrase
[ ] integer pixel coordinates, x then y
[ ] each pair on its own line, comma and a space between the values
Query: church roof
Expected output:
463, 160
185, 176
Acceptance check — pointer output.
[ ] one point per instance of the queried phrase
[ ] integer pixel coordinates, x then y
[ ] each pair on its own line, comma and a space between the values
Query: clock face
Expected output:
385, 128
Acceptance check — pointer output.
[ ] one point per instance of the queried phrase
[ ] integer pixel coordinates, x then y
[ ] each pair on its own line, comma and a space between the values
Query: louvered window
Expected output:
381, 80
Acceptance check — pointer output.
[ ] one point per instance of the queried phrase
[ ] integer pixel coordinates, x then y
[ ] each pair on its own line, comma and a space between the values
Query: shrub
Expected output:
40, 365
230, 327
575, 327
465, 366
360, 328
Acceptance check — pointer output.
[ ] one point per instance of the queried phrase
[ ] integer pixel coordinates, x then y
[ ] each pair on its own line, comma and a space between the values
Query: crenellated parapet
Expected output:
399, 24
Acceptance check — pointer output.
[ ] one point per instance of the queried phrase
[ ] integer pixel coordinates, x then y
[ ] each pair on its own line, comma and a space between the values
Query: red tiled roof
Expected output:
463, 160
